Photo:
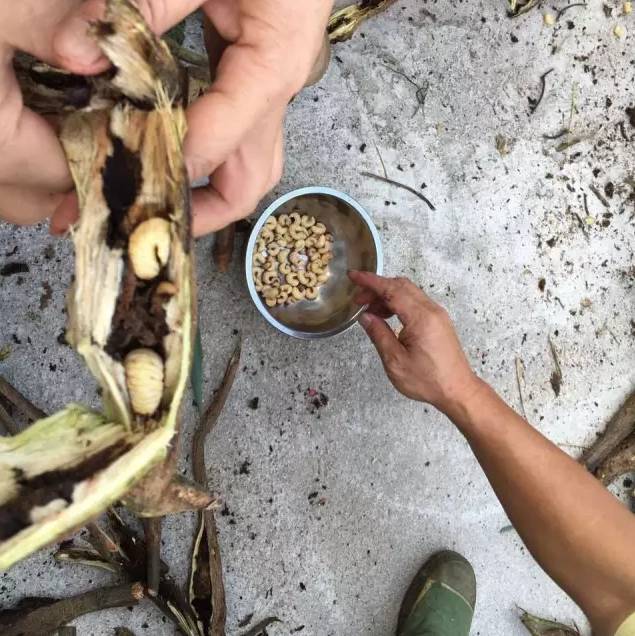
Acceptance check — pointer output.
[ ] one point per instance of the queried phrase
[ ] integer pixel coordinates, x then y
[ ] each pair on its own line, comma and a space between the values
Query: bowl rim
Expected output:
269, 210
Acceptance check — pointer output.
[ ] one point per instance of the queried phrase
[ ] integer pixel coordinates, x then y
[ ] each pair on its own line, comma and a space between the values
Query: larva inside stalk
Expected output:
129, 309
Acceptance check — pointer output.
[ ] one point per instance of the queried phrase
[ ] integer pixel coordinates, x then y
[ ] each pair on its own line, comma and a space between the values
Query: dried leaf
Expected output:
542, 627
344, 22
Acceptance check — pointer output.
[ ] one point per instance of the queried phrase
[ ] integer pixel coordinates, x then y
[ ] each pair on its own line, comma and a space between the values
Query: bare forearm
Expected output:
578, 532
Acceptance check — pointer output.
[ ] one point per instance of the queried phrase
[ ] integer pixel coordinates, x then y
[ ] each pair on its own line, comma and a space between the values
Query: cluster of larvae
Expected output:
148, 251
291, 259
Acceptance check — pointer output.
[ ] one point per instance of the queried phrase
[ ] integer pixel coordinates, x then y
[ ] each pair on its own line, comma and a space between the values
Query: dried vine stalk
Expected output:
620, 426
124, 147
206, 590
344, 22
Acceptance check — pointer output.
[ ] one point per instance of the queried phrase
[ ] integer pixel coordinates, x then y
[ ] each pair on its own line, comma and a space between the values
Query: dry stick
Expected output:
207, 423
620, 461
599, 195
19, 401
520, 379
400, 185
152, 531
44, 620
7, 421
569, 6
617, 430
259, 628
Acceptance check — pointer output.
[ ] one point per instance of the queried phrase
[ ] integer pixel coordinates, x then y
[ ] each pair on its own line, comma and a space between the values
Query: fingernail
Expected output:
75, 42
365, 320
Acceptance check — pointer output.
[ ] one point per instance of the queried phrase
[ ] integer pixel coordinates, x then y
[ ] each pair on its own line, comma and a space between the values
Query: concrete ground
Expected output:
330, 512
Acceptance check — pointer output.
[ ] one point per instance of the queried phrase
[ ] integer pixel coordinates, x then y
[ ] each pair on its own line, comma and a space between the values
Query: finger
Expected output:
382, 336
235, 104
29, 25
238, 185
77, 48
399, 295
25, 206
65, 214
30, 153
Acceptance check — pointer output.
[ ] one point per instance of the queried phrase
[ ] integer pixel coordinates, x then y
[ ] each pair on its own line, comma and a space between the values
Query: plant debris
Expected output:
400, 185
206, 591
560, 12
421, 93
619, 427
537, 626
534, 103
344, 22
520, 7
52, 614
260, 628
601, 198
520, 381
14, 268
556, 376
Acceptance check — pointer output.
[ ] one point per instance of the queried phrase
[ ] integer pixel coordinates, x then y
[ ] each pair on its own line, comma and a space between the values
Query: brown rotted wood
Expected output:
621, 425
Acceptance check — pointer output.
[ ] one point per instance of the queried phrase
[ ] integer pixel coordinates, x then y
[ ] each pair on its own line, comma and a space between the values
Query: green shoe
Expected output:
440, 600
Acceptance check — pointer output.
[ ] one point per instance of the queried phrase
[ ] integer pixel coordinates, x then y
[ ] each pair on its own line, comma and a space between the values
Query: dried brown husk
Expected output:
344, 22
125, 153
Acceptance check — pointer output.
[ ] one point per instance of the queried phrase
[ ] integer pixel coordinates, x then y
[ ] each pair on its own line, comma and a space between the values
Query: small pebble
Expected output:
619, 31
627, 7
549, 19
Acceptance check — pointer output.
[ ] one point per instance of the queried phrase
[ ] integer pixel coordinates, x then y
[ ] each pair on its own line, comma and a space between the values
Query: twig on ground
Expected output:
152, 532
599, 195
47, 618
259, 627
567, 143
585, 202
560, 12
422, 91
560, 133
537, 626
556, 376
344, 22
7, 421
520, 380
582, 225
383, 166
400, 185
534, 103
20, 402
620, 426
206, 591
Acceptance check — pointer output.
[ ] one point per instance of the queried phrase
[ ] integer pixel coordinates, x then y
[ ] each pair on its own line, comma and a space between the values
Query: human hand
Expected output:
33, 169
235, 130
425, 361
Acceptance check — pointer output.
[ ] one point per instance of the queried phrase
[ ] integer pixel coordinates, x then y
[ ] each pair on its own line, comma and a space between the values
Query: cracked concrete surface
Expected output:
330, 513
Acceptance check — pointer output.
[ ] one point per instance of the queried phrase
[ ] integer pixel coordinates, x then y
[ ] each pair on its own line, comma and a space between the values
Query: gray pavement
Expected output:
330, 512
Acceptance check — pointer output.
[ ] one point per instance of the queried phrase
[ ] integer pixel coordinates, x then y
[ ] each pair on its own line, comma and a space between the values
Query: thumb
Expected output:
76, 46
382, 336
